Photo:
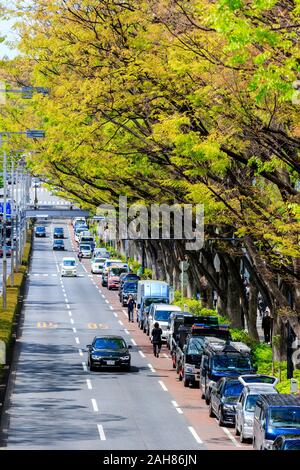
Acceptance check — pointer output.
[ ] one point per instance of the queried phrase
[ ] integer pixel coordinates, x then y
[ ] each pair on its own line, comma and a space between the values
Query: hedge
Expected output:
7, 315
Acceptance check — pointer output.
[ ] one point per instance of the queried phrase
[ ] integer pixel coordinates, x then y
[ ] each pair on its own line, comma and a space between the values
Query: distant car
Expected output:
58, 232
40, 231
58, 245
97, 265
100, 253
68, 267
113, 276
287, 442
7, 249
109, 351
129, 288
224, 396
86, 250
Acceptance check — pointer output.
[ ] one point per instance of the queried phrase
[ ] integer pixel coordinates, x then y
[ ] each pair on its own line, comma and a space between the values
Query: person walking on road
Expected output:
130, 308
79, 255
156, 339
267, 323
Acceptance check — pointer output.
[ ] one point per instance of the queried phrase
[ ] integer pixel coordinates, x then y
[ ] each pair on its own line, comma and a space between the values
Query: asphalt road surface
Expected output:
53, 401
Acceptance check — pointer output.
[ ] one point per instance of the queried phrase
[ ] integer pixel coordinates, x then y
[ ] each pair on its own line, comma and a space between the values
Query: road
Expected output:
53, 401
45, 197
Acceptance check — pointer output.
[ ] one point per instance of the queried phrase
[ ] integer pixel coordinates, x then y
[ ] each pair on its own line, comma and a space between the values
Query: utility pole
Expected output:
12, 218
17, 219
4, 267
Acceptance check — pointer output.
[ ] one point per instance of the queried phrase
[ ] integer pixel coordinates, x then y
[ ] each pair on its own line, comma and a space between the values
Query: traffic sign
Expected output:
184, 265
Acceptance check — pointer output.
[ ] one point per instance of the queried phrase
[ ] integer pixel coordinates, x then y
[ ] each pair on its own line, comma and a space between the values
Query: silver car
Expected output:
254, 385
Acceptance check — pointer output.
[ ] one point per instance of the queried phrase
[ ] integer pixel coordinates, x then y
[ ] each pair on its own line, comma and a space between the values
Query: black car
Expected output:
58, 232
224, 397
127, 277
109, 351
40, 231
287, 442
58, 245
129, 288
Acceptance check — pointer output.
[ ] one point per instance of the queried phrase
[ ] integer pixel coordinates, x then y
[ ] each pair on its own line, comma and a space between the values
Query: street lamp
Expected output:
35, 134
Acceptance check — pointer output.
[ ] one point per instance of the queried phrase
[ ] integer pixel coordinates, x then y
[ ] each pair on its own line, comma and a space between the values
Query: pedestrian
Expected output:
267, 324
156, 339
79, 255
130, 307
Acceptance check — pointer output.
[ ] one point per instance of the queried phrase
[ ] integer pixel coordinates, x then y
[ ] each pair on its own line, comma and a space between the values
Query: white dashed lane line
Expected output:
74, 330
197, 438
72, 321
151, 367
89, 384
133, 342
121, 323
101, 432
77, 340
142, 354
111, 307
179, 410
162, 385
115, 314
94, 405
106, 301
126, 331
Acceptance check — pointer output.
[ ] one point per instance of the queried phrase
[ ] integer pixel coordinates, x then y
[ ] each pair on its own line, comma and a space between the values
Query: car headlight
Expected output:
229, 407
125, 358
268, 444
248, 422
96, 357
189, 369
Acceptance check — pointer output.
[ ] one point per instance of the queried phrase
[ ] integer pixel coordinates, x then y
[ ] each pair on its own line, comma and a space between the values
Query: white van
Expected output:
160, 313
68, 267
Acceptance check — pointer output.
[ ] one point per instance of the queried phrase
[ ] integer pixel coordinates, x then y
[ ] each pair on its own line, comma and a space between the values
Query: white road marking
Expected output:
121, 323
106, 301
179, 410
103, 296
72, 321
77, 340
192, 430
70, 313
74, 330
162, 385
133, 342
142, 354
54, 275
101, 432
174, 403
84, 268
115, 314
151, 367
89, 384
68, 306
94, 404
35, 274
125, 313
45, 275
81, 354
126, 331
111, 307
66, 300
231, 437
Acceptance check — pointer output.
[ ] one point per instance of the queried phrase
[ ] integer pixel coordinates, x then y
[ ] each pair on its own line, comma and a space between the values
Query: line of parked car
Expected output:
205, 356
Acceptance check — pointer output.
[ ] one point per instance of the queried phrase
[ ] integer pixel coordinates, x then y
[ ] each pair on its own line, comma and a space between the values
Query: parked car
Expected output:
78, 232
113, 276
159, 312
68, 267
110, 262
58, 232
253, 386
109, 351
100, 253
58, 245
275, 415
223, 399
129, 288
287, 442
86, 250
78, 221
40, 231
97, 265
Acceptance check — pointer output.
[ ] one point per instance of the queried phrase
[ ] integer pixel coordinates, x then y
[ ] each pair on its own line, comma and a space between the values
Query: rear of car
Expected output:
161, 315
129, 288
58, 245
113, 276
97, 265
86, 250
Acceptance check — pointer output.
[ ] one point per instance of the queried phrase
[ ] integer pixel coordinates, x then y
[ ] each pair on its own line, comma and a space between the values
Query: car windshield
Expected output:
130, 287
58, 242
251, 402
292, 445
40, 229
224, 362
57, 229
69, 262
87, 239
85, 247
117, 271
99, 260
155, 300
287, 417
109, 343
162, 315
233, 389
195, 346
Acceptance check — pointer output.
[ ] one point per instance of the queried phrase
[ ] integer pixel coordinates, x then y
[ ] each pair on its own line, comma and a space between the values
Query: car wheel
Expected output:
186, 382
127, 368
92, 368
211, 413
123, 305
220, 420
242, 438
207, 399
109, 288
148, 332
237, 432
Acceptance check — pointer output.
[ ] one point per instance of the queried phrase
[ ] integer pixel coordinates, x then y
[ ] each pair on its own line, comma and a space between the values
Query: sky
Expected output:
7, 31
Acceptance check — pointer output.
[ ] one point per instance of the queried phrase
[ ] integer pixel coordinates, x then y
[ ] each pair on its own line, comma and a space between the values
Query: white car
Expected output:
97, 265
68, 267
160, 313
